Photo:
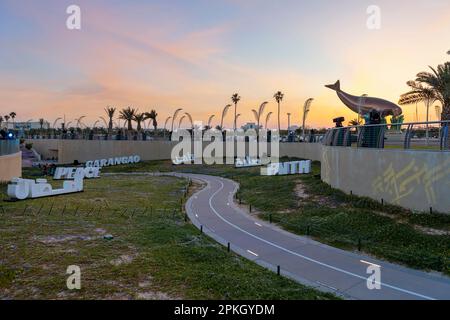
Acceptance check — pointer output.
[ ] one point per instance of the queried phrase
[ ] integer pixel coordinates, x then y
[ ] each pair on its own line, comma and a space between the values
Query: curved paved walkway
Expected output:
300, 258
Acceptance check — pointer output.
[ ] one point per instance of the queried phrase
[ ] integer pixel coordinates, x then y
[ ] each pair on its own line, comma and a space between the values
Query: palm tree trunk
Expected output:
279, 122
428, 102
235, 113
446, 112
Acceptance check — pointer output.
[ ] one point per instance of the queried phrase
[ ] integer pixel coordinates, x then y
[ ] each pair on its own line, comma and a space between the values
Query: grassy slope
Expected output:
154, 253
333, 217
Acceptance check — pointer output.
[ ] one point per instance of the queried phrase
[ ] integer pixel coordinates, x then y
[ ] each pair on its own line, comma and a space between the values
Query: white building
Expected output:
26, 125
250, 126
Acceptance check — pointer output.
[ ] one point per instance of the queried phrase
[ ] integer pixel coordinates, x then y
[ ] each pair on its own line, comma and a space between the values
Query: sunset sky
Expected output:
195, 54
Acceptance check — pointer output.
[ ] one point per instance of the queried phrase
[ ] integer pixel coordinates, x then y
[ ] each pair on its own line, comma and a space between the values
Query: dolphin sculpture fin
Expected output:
335, 87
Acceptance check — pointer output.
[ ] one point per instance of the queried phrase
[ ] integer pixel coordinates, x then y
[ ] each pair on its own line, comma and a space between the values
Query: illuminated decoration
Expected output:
62, 173
185, 159
287, 168
247, 162
113, 161
22, 189
364, 105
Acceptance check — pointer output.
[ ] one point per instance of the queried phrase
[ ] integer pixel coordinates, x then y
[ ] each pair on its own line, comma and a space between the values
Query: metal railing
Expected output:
434, 135
9, 147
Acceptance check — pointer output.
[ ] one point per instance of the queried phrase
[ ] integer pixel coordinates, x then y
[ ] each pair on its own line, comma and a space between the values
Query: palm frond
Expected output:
181, 121
176, 113
268, 118
225, 110
262, 107
190, 119
255, 114
307, 105
210, 120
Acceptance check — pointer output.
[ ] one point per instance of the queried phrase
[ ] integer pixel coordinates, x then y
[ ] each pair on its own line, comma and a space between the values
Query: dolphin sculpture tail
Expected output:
335, 87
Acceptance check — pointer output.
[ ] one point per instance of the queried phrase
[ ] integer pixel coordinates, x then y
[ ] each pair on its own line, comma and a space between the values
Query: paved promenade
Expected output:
300, 258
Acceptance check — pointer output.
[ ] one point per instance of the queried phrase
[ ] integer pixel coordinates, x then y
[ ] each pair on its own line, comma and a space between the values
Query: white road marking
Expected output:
251, 252
259, 225
370, 263
305, 257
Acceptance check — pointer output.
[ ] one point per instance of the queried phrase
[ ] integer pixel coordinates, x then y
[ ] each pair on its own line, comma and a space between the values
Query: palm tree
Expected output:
354, 123
279, 98
110, 111
41, 123
235, 98
13, 116
128, 115
306, 109
224, 114
153, 116
420, 93
268, 119
139, 118
6, 120
438, 80
259, 113
174, 117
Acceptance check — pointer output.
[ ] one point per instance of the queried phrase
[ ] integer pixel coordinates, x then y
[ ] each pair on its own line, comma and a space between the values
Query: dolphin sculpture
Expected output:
364, 105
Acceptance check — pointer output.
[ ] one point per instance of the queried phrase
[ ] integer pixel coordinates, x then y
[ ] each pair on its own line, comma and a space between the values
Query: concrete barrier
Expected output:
10, 166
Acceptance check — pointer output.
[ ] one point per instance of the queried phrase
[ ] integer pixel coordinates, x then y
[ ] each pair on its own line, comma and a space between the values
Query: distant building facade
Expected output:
250, 126
26, 125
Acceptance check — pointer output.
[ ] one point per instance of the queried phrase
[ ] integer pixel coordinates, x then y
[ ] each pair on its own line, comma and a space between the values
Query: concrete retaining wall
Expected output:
66, 151
418, 180
311, 151
10, 166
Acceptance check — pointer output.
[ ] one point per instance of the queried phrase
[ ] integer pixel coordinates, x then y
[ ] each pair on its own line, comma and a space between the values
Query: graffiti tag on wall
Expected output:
413, 176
